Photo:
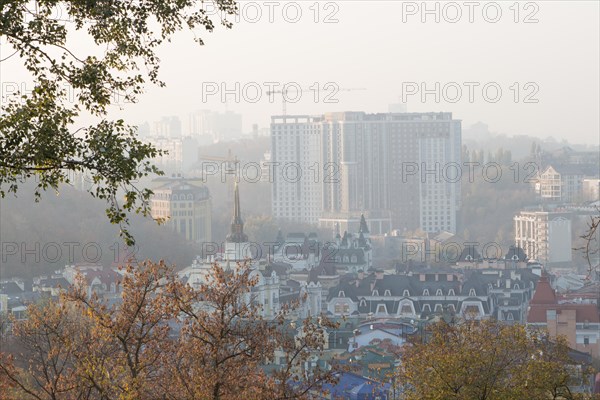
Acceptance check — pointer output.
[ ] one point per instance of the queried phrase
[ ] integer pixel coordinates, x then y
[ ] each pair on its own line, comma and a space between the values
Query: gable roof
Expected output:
544, 294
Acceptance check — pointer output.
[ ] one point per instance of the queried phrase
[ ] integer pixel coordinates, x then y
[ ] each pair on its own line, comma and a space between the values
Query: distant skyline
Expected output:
371, 47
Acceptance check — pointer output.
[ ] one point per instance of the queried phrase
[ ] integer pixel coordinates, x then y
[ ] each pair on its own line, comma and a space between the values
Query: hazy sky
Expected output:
386, 48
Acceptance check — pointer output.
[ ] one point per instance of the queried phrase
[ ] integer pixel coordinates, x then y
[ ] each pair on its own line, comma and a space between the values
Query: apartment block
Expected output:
388, 166
545, 236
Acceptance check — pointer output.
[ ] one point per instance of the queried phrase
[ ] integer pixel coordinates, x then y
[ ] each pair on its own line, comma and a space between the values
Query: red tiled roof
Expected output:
544, 294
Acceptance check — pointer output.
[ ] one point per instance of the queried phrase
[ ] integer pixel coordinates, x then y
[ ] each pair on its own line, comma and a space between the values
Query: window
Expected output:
363, 303
439, 308
426, 292
426, 308
341, 294
341, 308
439, 292
381, 309
472, 310
472, 292
451, 308
406, 309
387, 293
516, 286
586, 340
510, 317
451, 292
406, 293
375, 292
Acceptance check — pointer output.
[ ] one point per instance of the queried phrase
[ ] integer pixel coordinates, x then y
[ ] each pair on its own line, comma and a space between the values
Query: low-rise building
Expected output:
578, 321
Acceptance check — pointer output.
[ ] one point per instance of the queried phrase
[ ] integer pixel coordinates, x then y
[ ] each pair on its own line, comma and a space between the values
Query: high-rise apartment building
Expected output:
545, 236
399, 169
215, 125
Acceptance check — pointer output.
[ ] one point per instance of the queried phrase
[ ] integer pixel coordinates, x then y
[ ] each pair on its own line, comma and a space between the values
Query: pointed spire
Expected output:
237, 234
363, 225
236, 205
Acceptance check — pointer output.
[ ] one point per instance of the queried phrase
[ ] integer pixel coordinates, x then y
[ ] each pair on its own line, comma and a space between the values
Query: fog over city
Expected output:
381, 46
324, 199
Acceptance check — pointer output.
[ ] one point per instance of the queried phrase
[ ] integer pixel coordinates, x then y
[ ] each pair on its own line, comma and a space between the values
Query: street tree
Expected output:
486, 360
165, 340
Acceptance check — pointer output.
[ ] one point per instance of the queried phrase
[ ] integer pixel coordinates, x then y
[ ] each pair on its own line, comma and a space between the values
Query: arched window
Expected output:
341, 294
472, 292
439, 292
375, 292
406, 293
426, 292
174, 197
451, 308
346, 259
439, 308
363, 303
451, 292
426, 308
387, 293
516, 286
190, 197
510, 317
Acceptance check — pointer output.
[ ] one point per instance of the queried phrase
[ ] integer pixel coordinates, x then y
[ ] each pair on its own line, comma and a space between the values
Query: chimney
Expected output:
422, 277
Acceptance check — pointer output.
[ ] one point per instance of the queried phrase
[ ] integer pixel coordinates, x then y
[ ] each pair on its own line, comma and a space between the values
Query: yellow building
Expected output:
186, 207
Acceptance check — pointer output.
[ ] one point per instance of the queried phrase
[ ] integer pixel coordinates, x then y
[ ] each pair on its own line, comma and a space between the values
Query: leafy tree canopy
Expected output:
488, 360
40, 133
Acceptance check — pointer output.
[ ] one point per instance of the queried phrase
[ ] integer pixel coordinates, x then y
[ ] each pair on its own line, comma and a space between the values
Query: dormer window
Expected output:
363, 303
438, 308
381, 309
439, 292
375, 292
426, 308
472, 292
516, 286
341, 294
510, 317
387, 293
406, 293
451, 292
426, 292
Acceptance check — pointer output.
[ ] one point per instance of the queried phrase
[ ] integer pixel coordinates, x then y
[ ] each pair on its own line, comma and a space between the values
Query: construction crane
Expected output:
231, 168
285, 91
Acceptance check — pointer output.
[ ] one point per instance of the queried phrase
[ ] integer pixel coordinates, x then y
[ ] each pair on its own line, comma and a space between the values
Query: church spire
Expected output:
237, 218
236, 234
363, 225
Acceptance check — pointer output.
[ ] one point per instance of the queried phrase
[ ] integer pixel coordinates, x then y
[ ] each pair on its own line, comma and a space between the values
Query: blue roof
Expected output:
355, 387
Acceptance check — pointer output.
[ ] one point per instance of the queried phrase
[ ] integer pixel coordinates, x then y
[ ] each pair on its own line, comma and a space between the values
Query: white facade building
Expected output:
544, 236
389, 166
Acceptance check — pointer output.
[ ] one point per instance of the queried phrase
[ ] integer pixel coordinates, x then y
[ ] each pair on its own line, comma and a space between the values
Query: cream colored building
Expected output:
185, 206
